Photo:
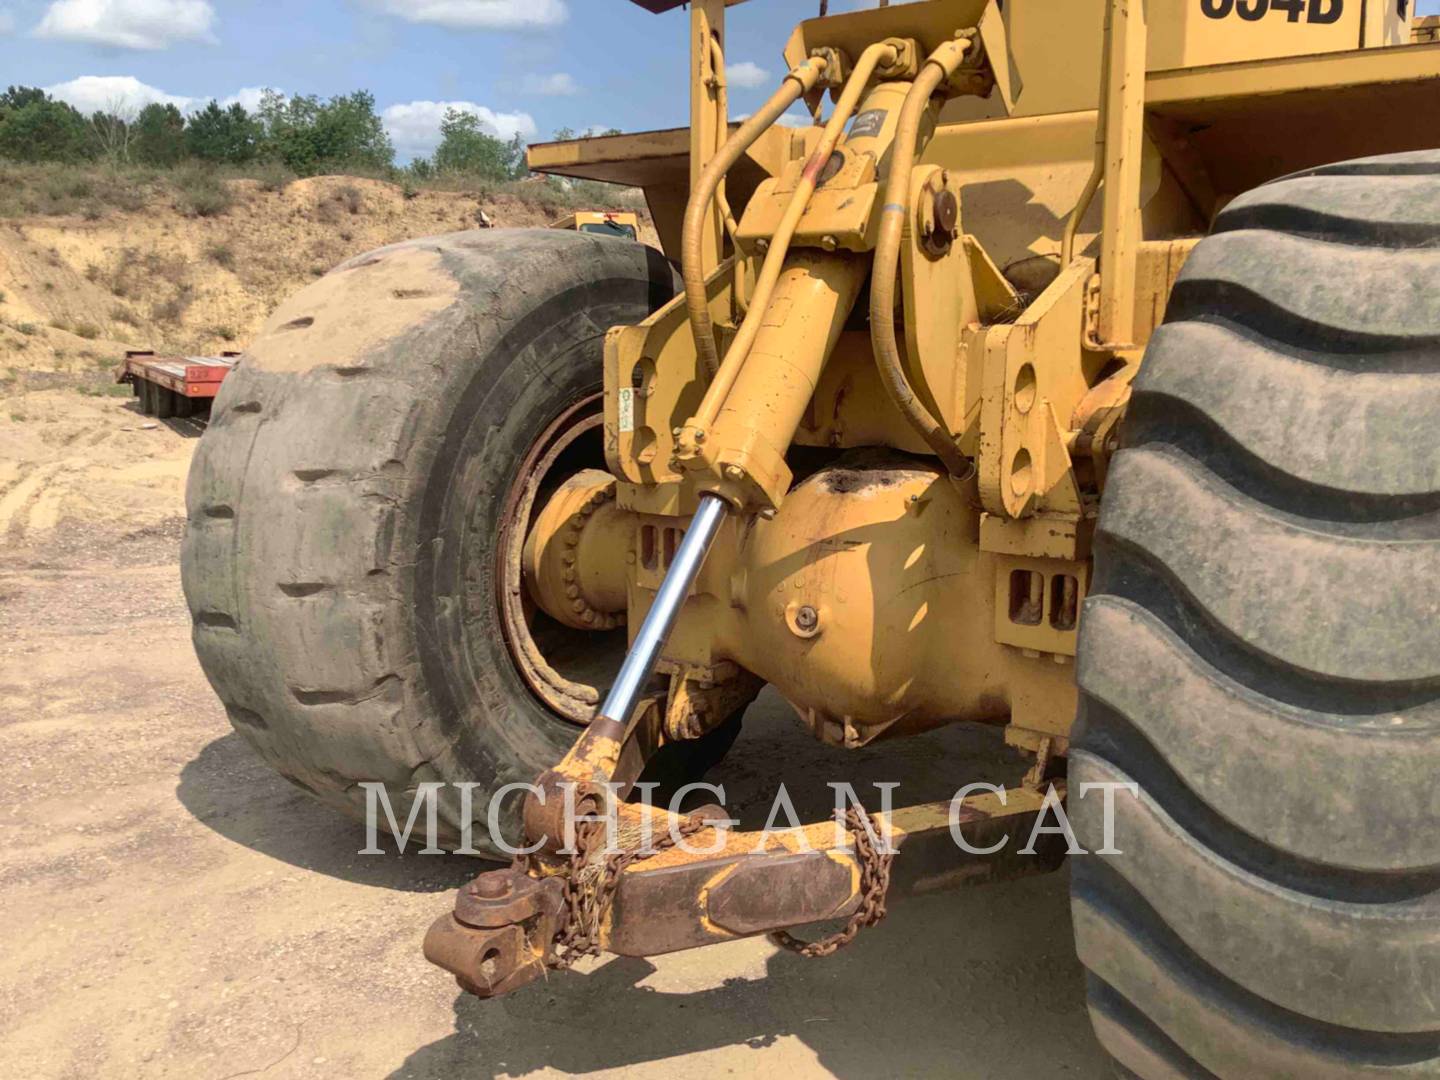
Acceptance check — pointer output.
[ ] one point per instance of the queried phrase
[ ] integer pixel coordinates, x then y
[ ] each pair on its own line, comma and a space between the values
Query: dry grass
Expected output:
90, 191
53, 189
222, 254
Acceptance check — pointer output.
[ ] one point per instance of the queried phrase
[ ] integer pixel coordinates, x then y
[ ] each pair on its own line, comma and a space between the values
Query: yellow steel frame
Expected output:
1079, 189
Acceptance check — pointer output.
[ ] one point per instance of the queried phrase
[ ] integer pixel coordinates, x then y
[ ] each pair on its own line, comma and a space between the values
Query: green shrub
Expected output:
221, 254
201, 193
273, 176
173, 309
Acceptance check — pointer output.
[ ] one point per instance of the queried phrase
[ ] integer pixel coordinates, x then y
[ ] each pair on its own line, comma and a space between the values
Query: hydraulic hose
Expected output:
799, 81
722, 115
874, 56
938, 67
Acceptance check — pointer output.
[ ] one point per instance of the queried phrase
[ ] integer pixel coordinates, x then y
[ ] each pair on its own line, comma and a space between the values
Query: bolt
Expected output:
807, 618
699, 437
829, 243
946, 211
762, 245
768, 514
492, 886
734, 472
675, 433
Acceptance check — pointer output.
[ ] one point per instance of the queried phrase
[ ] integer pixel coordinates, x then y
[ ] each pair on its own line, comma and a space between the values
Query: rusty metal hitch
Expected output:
726, 884
501, 935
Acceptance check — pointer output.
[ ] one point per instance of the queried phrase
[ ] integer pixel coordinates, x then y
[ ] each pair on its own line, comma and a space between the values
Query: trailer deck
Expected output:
174, 385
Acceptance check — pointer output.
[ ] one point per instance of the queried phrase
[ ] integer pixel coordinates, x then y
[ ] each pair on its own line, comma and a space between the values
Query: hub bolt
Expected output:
807, 618
492, 886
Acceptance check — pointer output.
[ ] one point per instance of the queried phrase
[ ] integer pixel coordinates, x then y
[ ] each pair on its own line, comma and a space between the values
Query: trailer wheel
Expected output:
165, 402
147, 396
357, 503
1259, 654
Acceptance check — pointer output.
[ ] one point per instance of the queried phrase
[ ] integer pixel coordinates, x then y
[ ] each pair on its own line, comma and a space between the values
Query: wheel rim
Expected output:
561, 666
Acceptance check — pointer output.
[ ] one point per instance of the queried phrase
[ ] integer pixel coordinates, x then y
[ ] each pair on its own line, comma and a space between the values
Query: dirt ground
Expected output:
172, 908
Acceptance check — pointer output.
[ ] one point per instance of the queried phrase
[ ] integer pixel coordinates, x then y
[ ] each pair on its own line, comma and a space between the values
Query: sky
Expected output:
523, 66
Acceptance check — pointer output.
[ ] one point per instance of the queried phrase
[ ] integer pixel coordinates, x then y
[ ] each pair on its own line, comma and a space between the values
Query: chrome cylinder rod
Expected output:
645, 649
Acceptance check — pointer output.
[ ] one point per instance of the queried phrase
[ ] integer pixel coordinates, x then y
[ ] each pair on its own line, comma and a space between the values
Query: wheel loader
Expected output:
622, 223
1076, 373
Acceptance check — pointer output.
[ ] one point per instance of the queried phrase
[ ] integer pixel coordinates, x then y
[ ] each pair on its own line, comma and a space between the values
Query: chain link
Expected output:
591, 883
593, 878
874, 885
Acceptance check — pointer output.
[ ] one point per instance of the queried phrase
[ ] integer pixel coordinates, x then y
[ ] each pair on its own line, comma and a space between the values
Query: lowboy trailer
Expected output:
174, 385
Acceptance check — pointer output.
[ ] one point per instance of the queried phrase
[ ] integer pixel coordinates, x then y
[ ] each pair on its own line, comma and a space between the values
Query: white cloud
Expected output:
125, 93
129, 24
790, 120
746, 74
414, 127
248, 96
558, 85
480, 14
92, 93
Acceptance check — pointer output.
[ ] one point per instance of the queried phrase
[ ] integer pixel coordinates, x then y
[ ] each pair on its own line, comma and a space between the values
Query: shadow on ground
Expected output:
938, 989
230, 790
934, 991
189, 427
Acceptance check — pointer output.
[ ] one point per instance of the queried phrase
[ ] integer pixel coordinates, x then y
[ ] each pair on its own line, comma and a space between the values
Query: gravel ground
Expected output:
172, 908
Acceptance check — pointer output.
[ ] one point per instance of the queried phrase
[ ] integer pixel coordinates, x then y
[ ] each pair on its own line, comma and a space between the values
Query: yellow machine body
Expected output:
1071, 156
622, 223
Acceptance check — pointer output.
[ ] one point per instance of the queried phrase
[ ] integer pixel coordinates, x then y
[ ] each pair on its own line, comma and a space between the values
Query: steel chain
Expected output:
591, 883
874, 885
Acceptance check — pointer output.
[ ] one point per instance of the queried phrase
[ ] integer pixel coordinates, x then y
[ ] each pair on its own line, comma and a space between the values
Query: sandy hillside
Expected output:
77, 292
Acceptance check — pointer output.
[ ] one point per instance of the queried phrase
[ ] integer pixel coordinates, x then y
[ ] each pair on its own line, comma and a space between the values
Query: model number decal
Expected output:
627, 410
1320, 12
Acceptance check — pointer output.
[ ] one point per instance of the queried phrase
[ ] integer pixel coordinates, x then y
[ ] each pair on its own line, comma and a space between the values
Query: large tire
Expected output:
1260, 651
345, 502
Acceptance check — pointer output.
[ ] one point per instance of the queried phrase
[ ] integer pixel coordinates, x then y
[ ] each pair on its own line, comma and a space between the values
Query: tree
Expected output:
112, 130
466, 147
17, 97
566, 134
310, 136
159, 135
228, 135
36, 127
